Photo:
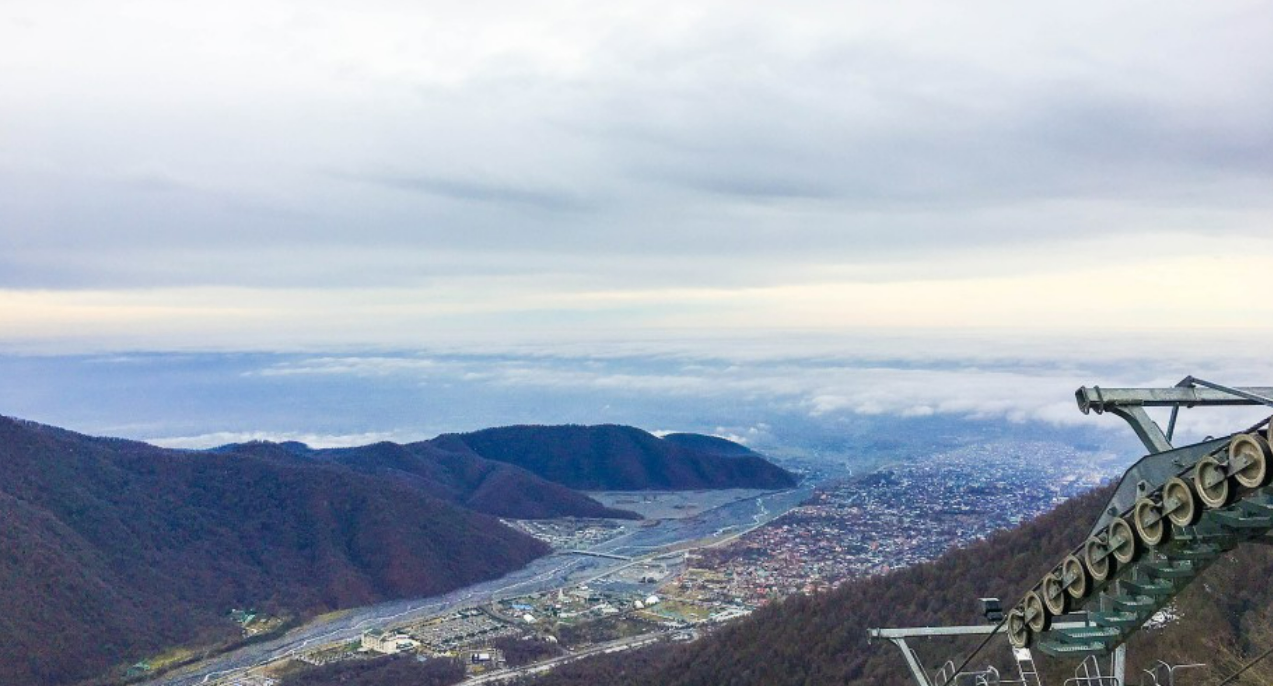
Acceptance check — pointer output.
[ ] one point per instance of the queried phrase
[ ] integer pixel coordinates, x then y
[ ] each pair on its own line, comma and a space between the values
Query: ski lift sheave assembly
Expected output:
1173, 513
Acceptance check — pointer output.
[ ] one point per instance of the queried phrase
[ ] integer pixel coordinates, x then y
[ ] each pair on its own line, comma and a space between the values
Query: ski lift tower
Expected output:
1027, 674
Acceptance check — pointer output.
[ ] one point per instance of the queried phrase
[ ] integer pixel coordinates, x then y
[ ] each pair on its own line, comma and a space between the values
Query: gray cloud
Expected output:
483, 191
985, 377
701, 145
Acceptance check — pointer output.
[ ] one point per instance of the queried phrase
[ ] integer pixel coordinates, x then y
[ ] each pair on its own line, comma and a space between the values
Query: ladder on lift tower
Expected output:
1025, 667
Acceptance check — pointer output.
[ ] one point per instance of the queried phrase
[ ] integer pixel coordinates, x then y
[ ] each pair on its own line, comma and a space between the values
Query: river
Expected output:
552, 571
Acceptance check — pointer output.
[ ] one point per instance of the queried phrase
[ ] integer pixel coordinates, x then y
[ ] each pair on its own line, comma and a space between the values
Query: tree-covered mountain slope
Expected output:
111, 550
624, 458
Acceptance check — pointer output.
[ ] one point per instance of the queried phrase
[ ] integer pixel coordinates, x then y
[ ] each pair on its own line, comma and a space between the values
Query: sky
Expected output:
342, 221
318, 175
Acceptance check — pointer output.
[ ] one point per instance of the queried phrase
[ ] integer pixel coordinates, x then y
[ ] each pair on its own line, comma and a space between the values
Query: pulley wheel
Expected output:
1018, 633
1096, 555
1179, 502
1055, 599
1151, 525
1249, 454
1074, 576
1212, 482
1122, 541
1036, 613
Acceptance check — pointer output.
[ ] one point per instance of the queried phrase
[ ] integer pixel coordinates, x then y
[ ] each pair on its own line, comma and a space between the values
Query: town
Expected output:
899, 515
896, 517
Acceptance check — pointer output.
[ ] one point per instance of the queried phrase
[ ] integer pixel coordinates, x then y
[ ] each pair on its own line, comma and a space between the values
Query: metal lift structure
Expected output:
1173, 513
1177, 510
1026, 675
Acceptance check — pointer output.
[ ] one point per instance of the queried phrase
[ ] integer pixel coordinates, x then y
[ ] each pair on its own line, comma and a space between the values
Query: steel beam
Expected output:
1147, 430
898, 638
1130, 404
1099, 399
912, 661
975, 630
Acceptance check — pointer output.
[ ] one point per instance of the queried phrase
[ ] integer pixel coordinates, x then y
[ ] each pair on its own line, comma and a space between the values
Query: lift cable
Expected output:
1245, 667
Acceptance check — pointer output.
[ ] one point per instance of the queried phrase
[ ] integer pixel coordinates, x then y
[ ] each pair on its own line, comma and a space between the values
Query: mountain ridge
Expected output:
459, 476
612, 457
113, 550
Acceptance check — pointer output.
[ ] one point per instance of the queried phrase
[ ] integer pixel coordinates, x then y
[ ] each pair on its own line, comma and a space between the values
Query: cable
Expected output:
1245, 667
973, 654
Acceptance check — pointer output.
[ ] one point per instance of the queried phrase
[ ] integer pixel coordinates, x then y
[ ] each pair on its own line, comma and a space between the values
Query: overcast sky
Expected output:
296, 175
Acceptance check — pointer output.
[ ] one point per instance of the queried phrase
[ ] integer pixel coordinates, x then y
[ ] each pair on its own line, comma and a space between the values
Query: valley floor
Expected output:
611, 563
701, 560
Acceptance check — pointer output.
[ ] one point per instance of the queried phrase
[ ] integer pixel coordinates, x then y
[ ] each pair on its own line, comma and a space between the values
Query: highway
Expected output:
619, 645
594, 553
547, 573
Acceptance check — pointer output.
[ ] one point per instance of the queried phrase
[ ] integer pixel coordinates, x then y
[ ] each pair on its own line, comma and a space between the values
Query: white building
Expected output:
387, 642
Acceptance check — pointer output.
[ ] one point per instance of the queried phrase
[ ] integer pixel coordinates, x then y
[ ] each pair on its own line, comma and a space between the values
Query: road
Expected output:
594, 553
546, 573
622, 644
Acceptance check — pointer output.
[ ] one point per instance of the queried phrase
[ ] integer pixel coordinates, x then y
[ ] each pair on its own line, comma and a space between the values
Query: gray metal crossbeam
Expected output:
898, 638
975, 630
1130, 404
1097, 399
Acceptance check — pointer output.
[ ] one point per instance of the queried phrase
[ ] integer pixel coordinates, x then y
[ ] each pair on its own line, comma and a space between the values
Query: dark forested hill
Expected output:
611, 457
454, 473
821, 640
111, 550
709, 444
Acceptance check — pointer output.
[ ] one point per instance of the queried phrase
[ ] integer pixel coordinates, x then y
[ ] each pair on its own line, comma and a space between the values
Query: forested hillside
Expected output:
821, 640
112, 550
623, 458
455, 473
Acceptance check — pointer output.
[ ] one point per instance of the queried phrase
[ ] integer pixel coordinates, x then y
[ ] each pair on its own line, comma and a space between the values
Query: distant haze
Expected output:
828, 400
319, 175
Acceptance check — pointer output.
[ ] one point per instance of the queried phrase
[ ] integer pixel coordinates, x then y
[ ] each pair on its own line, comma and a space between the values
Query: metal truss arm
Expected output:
1147, 430
898, 638
1130, 404
912, 661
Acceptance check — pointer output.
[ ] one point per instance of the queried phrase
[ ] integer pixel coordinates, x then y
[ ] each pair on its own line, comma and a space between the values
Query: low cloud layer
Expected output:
813, 394
903, 384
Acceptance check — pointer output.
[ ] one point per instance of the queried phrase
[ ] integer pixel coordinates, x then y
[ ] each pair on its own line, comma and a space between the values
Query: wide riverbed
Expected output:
738, 513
